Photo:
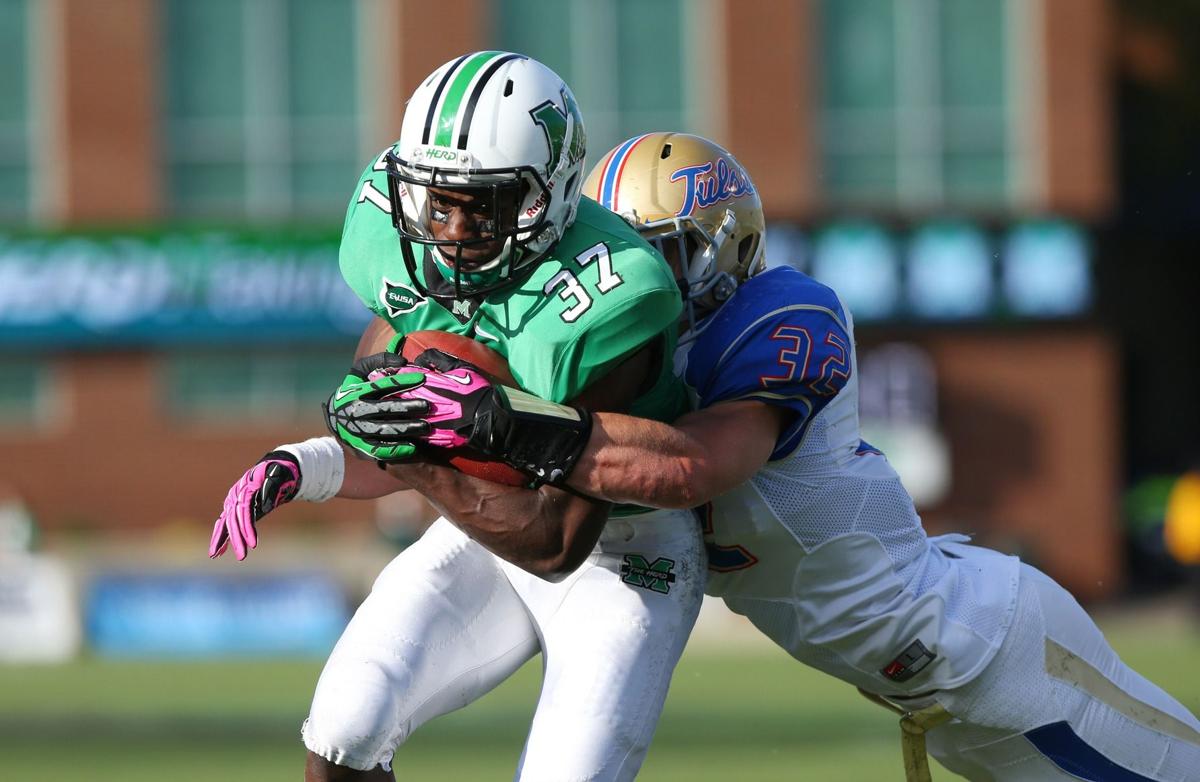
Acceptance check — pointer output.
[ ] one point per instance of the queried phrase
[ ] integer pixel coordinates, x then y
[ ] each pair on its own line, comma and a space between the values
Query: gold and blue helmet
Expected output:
692, 200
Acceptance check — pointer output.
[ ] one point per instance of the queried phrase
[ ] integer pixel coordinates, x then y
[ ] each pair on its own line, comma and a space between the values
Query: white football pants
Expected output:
1056, 703
447, 621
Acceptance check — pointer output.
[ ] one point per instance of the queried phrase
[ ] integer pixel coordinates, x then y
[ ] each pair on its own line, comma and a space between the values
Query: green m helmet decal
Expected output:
553, 121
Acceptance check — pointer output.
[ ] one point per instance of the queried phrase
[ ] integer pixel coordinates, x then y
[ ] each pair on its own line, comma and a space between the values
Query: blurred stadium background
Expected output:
1007, 192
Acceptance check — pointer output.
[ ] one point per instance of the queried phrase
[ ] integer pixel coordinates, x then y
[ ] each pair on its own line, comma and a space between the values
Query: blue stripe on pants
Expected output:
1073, 755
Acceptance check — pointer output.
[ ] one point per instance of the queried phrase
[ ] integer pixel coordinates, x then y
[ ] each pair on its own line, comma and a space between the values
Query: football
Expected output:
495, 366
492, 363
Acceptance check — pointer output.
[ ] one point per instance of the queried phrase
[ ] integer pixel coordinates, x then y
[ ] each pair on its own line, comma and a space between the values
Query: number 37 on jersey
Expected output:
565, 283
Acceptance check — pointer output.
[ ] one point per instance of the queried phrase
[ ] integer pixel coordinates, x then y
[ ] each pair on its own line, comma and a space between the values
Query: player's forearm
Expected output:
547, 532
363, 480
683, 465
314, 470
643, 462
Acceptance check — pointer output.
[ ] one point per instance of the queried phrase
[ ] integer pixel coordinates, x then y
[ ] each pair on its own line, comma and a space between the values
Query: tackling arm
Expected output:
683, 465
767, 363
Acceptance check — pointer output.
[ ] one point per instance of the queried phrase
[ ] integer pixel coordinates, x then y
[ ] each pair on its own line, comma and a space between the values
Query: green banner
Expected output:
203, 287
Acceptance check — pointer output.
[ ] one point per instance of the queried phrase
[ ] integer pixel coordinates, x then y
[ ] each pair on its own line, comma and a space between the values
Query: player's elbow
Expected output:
685, 499
555, 562
686, 485
572, 526
555, 568
545, 559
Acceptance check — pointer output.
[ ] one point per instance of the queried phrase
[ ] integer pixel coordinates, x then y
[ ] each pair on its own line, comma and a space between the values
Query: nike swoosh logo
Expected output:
462, 380
342, 393
485, 335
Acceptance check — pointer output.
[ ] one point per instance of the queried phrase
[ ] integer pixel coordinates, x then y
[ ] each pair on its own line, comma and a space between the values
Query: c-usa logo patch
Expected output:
399, 298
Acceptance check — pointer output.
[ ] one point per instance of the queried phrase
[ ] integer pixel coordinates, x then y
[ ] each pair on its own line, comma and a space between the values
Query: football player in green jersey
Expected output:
495, 243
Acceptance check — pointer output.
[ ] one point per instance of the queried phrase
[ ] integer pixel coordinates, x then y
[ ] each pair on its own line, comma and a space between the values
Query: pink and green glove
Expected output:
453, 405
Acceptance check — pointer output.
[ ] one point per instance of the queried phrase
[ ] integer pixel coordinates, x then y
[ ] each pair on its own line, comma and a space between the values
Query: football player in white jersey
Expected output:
810, 533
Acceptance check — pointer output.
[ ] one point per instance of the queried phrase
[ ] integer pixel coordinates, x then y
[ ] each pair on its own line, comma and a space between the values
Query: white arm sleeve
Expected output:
322, 467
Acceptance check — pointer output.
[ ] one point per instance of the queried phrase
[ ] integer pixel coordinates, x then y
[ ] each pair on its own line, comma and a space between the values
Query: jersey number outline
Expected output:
835, 367
799, 341
370, 194
569, 289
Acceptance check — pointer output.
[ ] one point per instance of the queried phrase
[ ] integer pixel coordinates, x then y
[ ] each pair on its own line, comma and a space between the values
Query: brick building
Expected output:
165, 117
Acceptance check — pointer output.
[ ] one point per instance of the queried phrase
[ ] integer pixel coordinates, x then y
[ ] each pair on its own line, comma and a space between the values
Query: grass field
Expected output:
745, 713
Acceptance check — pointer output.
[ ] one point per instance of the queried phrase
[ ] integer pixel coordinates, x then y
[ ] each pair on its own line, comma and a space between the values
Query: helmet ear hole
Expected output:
666, 152
746, 248
508, 88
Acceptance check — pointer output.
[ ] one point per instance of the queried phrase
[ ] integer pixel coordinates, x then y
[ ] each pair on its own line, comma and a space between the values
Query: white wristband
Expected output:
322, 467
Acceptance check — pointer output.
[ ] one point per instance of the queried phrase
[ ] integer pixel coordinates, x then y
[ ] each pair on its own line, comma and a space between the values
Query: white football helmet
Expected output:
693, 201
504, 129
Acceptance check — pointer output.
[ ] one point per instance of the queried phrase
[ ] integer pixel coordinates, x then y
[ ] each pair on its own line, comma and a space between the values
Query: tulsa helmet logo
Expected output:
399, 298
710, 183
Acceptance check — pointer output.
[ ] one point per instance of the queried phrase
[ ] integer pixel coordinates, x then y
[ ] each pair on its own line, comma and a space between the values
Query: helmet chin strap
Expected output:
721, 286
702, 290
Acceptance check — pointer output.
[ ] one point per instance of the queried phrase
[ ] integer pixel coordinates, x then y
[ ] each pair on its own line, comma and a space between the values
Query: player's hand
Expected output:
364, 414
387, 402
465, 408
445, 410
271, 482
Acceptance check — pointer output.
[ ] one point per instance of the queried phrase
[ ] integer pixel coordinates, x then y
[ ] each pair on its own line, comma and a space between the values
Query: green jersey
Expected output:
596, 298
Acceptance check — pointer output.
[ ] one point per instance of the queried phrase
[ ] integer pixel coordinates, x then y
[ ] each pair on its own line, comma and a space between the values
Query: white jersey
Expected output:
822, 548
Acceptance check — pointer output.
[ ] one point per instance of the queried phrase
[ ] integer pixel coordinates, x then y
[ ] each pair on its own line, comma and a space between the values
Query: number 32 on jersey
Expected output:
571, 290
